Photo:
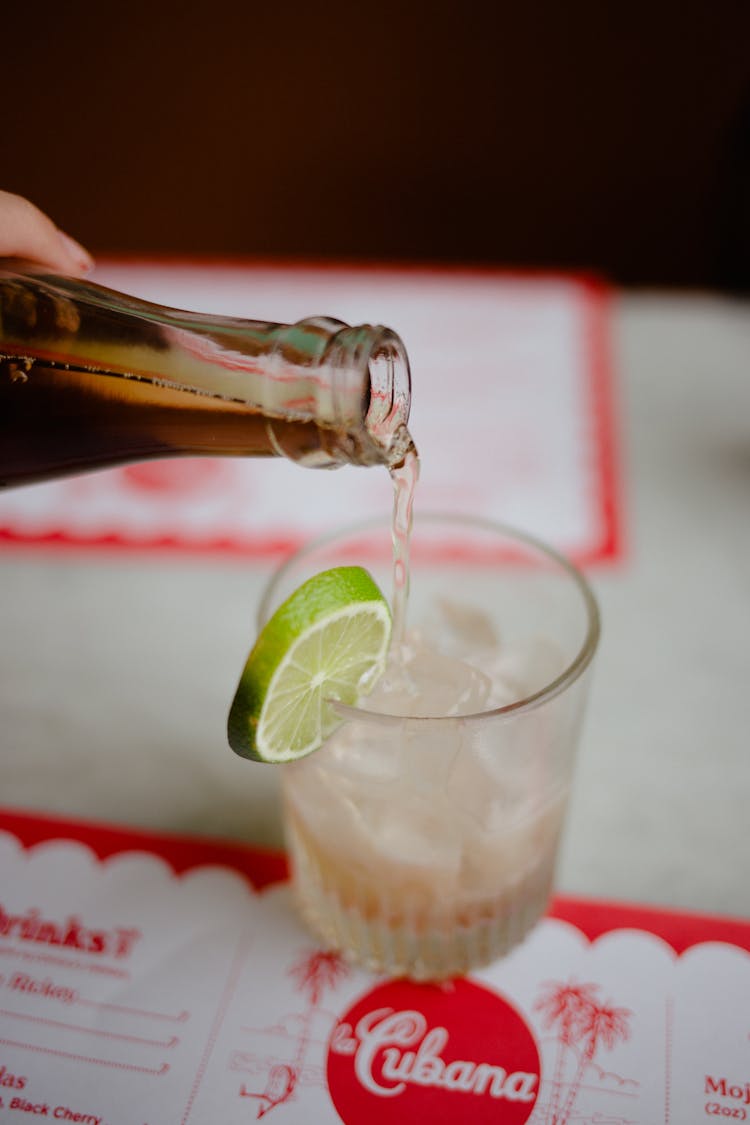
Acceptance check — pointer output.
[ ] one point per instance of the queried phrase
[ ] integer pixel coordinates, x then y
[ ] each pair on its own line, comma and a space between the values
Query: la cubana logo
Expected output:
409, 1053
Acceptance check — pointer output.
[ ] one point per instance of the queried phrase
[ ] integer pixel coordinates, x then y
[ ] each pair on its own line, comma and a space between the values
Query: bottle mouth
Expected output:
390, 395
379, 378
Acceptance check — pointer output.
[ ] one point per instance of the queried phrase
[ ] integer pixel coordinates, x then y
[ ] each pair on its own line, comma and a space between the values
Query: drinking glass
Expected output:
423, 843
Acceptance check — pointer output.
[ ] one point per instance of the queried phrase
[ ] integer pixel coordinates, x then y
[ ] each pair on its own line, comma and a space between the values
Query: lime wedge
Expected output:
328, 641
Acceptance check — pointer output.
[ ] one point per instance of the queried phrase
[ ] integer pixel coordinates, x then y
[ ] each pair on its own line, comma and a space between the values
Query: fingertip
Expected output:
79, 256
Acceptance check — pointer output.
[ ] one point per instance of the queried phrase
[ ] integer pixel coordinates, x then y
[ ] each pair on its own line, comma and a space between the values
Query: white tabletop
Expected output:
116, 671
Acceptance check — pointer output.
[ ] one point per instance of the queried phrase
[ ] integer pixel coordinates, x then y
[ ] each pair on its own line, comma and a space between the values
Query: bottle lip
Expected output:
376, 358
390, 384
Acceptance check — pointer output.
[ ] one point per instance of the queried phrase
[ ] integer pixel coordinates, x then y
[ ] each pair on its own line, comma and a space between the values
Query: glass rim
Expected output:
573, 670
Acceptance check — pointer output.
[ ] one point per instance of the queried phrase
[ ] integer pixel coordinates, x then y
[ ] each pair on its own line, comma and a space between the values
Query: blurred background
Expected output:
597, 136
612, 137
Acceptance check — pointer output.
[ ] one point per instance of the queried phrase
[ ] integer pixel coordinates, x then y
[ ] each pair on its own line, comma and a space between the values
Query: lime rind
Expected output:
328, 641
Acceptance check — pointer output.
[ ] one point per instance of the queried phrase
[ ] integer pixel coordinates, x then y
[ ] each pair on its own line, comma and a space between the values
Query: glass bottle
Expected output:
90, 378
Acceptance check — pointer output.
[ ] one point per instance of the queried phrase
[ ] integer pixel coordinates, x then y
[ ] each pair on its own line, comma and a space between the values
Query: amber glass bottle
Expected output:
90, 377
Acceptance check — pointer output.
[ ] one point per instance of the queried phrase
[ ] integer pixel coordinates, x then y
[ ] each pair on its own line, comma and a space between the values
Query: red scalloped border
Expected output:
260, 867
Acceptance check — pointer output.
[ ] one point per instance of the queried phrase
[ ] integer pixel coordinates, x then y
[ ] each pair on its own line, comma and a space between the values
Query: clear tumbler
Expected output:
424, 843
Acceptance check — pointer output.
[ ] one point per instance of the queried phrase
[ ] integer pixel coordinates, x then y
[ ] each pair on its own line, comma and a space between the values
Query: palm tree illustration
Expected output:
313, 974
603, 1025
565, 1006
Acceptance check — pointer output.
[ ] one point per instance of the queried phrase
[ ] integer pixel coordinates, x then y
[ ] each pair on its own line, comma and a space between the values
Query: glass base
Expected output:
422, 950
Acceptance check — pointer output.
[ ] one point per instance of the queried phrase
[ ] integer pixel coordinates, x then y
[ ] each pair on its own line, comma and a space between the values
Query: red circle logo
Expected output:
437, 1053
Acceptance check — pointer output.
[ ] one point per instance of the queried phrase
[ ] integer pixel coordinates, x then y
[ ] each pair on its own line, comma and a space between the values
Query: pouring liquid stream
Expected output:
404, 477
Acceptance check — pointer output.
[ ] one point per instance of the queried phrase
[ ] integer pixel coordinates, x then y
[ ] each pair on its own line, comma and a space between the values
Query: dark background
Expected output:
606, 136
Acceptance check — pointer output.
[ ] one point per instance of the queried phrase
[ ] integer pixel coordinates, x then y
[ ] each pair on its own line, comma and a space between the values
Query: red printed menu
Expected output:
511, 410
149, 981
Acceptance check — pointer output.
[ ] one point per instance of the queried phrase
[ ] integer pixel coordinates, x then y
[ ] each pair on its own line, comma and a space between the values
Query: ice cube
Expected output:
422, 682
413, 831
328, 809
430, 750
512, 845
522, 669
488, 781
369, 752
465, 627
504, 689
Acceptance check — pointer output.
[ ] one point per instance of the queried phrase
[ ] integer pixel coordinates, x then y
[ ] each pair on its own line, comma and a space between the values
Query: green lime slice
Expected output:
328, 641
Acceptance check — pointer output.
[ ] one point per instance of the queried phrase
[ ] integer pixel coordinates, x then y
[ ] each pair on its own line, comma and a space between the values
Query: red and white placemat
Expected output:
512, 413
146, 980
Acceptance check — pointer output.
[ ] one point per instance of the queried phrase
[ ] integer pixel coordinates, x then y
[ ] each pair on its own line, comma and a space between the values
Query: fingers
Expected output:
26, 232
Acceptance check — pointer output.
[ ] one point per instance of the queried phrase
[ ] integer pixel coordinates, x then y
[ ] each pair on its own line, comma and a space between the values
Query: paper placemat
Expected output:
512, 412
146, 980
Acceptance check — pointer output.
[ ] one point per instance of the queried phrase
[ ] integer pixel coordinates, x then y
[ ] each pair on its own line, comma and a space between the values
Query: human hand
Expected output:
26, 232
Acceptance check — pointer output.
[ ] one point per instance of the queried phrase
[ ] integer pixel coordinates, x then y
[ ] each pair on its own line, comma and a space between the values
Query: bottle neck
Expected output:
352, 383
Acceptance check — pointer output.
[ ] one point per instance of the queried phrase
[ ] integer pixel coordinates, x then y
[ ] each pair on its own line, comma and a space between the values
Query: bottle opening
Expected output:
390, 396
371, 391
